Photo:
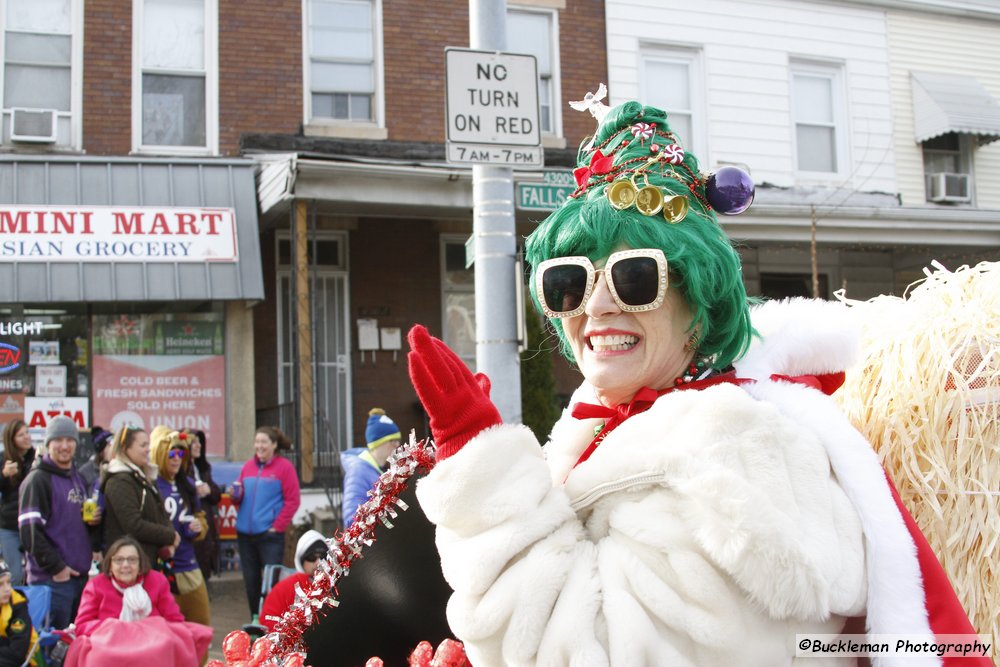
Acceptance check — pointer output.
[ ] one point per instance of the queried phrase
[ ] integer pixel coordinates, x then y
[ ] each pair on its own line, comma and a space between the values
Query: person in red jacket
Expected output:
128, 616
125, 566
310, 548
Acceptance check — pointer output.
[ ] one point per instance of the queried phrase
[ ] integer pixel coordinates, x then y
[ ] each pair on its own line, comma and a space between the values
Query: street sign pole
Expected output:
495, 243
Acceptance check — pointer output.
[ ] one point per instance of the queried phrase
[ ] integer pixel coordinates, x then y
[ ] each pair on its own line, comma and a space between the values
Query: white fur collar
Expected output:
800, 336
797, 336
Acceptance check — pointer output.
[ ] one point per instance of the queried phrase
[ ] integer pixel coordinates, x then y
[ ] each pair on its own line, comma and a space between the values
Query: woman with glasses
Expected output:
134, 506
125, 565
128, 617
702, 501
172, 457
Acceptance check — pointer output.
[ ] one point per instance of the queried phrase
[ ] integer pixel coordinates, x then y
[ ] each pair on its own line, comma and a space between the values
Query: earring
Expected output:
693, 340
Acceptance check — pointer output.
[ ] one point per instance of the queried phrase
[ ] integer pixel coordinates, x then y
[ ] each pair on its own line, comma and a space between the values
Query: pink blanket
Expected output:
151, 642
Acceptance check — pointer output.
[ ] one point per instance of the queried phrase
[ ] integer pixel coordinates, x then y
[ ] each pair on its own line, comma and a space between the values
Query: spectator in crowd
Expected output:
53, 533
363, 465
267, 492
131, 601
91, 473
18, 456
91, 470
207, 550
171, 456
125, 565
17, 635
134, 505
310, 549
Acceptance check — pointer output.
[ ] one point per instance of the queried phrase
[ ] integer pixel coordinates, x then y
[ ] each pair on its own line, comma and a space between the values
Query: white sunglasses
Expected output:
637, 280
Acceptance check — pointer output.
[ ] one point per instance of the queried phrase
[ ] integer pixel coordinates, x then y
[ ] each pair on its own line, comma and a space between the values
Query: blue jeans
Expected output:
65, 600
256, 551
10, 545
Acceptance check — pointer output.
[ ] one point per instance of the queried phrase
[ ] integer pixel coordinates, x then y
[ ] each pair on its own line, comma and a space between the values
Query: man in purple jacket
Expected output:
50, 520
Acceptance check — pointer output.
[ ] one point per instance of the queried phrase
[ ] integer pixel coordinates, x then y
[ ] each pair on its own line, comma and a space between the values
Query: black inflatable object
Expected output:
393, 598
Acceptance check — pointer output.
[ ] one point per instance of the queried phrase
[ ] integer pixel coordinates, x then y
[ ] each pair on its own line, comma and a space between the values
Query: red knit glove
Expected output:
457, 402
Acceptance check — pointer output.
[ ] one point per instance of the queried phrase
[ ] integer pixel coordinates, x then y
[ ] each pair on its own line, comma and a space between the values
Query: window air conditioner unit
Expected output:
36, 126
947, 187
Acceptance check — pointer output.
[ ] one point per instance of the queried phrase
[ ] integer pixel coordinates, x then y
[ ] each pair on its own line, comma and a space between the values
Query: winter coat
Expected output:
280, 598
270, 496
360, 474
135, 507
50, 521
102, 600
10, 487
708, 530
17, 635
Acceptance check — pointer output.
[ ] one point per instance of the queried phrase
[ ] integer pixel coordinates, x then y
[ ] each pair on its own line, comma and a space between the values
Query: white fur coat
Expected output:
708, 530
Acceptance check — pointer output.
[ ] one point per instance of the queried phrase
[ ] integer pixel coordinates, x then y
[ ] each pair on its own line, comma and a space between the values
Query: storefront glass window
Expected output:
110, 365
166, 369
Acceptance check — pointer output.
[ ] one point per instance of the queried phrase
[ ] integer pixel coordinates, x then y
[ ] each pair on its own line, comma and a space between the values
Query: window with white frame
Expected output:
458, 299
343, 46
41, 70
176, 87
670, 79
948, 169
534, 32
817, 113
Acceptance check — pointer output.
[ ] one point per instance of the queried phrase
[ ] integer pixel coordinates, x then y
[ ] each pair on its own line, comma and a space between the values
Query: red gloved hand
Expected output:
457, 402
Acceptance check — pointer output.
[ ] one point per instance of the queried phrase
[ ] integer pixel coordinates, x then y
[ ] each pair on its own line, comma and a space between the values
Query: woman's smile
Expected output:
621, 352
610, 340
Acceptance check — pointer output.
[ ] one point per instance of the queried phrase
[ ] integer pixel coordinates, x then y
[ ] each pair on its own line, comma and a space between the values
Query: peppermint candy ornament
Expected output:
673, 154
642, 131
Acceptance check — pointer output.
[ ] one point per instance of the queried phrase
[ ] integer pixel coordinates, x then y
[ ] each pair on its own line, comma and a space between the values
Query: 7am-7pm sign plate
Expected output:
515, 156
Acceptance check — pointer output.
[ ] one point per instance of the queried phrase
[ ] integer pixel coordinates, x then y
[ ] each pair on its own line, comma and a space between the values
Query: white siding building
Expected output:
814, 98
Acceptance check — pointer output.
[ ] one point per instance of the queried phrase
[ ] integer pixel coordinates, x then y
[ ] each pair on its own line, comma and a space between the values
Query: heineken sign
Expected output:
188, 338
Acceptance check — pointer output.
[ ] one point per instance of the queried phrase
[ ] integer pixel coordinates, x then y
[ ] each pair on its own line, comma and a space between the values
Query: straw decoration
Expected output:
927, 396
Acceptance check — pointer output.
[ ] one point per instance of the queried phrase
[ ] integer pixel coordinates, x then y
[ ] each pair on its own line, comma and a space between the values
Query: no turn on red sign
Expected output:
492, 108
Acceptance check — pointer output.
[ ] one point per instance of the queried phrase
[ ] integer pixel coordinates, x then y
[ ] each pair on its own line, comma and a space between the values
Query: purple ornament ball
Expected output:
730, 190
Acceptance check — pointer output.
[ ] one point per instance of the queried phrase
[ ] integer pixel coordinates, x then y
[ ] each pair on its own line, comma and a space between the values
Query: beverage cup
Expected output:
89, 510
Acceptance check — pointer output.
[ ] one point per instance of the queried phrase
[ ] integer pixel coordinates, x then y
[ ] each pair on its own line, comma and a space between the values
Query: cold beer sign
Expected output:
492, 108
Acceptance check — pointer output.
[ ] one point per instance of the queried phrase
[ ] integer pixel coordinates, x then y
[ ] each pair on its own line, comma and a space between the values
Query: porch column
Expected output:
303, 348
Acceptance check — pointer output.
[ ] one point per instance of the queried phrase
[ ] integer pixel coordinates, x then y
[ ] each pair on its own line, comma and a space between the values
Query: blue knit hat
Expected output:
380, 429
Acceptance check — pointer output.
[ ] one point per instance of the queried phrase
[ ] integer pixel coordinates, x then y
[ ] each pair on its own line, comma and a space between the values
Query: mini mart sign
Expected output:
117, 234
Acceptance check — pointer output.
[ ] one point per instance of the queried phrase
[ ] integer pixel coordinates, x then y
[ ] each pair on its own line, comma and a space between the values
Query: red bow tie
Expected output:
645, 397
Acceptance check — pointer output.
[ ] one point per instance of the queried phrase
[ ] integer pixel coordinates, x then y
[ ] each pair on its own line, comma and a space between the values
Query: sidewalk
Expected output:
228, 601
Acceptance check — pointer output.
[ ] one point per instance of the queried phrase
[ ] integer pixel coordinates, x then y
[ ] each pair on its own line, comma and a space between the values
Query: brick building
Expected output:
385, 218
330, 110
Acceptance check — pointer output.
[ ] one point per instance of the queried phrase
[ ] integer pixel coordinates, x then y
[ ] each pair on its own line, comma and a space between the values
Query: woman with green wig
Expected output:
702, 501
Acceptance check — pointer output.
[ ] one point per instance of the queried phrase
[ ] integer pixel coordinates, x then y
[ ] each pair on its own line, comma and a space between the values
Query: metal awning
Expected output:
944, 103
168, 184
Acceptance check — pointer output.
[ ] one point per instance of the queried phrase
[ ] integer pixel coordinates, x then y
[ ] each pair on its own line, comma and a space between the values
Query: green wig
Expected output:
702, 262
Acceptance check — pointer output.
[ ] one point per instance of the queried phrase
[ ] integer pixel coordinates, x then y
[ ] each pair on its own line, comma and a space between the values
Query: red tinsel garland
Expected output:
345, 546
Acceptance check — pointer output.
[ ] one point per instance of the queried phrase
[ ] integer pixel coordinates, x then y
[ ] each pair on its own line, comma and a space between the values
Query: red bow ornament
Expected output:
599, 164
